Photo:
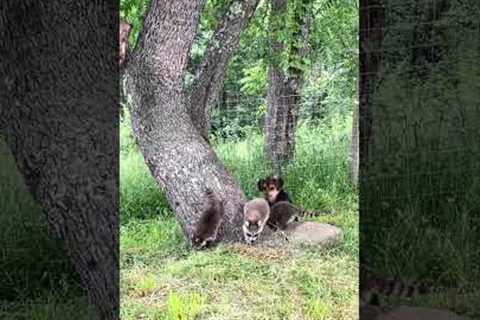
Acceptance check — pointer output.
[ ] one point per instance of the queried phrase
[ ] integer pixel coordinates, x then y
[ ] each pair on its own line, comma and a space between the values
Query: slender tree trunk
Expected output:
372, 21
354, 149
180, 160
59, 117
223, 112
283, 95
281, 118
372, 24
210, 74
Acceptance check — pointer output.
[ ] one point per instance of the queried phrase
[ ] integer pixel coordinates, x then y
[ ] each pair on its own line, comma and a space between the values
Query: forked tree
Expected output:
59, 117
171, 123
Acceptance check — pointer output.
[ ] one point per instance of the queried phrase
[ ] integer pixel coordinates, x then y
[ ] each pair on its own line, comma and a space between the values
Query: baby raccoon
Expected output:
210, 220
372, 286
282, 213
255, 216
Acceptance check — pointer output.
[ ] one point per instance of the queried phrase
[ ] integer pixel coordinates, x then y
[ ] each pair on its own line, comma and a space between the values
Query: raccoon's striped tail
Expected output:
400, 289
211, 198
302, 214
390, 288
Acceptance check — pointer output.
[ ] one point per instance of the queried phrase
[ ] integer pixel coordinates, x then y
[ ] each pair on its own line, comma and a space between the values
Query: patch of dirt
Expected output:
257, 253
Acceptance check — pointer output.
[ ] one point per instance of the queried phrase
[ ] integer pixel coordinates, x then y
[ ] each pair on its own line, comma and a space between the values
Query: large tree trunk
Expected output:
59, 117
180, 160
283, 95
210, 74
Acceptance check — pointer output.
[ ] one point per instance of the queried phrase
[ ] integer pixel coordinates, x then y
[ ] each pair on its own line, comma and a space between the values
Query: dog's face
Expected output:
270, 186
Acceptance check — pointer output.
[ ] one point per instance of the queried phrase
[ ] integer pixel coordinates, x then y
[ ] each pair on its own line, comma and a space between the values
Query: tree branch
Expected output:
209, 75
171, 27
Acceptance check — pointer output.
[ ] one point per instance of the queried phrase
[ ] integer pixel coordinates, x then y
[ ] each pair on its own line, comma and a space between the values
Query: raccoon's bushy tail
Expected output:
310, 213
211, 196
400, 289
392, 288
212, 201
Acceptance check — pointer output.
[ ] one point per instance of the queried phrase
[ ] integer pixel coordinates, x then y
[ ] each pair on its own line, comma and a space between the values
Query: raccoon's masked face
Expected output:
198, 243
251, 231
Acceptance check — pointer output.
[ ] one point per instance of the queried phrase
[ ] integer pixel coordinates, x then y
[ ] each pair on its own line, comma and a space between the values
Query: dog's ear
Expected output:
261, 185
279, 181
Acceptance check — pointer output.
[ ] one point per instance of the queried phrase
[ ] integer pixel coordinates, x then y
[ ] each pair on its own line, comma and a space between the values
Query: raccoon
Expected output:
206, 229
255, 216
371, 286
282, 213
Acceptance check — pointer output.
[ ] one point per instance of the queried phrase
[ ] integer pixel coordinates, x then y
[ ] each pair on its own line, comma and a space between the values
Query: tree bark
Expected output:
180, 160
281, 118
209, 76
59, 117
283, 97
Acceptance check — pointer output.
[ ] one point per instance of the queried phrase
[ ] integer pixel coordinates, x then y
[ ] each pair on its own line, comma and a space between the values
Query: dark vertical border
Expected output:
419, 186
59, 116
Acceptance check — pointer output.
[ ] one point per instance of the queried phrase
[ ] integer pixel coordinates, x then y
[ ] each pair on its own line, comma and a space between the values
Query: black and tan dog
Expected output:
272, 189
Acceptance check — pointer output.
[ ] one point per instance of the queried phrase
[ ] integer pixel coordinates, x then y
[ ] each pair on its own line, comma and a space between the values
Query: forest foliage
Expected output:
330, 68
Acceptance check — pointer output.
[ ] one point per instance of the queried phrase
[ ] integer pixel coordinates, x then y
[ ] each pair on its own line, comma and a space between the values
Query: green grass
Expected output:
48, 306
37, 280
161, 278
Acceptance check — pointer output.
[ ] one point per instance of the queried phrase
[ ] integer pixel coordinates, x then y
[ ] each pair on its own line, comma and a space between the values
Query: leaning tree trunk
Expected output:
180, 160
211, 72
283, 95
59, 117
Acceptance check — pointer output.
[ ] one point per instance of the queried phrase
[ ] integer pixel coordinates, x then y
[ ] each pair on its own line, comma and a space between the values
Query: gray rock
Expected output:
314, 233
303, 233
